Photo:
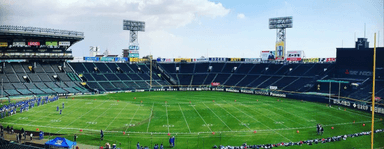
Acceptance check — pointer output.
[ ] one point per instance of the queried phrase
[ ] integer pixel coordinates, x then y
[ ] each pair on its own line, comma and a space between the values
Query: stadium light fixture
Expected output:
134, 27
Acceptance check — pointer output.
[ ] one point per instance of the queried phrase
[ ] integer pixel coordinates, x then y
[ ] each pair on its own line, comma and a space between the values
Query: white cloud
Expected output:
240, 16
101, 20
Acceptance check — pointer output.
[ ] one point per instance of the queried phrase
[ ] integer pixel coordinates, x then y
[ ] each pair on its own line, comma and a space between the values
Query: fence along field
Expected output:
196, 119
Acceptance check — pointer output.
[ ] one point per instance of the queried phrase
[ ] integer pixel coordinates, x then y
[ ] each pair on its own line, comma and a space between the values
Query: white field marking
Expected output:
217, 116
283, 117
261, 123
187, 133
288, 112
153, 104
233, 116
261, 114
80, 117
166, 112
299, 107
99, 116
355, 113
48, 114
116, 116
132, 118
184, 119
202, 118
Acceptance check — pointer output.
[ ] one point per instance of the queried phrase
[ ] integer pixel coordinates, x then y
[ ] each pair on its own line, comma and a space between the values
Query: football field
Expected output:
197, 120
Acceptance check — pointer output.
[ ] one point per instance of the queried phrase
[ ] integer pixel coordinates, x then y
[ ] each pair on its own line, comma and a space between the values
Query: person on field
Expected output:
101, 135
161, 146
318, 128
321, 130
138, 145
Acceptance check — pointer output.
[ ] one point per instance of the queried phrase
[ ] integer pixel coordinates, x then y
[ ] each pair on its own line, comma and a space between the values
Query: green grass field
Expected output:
192, 117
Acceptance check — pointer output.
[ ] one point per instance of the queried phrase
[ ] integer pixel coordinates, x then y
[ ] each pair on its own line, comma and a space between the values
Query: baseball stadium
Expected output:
49, 99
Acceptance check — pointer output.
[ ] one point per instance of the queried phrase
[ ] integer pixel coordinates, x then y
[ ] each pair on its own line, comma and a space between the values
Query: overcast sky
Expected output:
194, 28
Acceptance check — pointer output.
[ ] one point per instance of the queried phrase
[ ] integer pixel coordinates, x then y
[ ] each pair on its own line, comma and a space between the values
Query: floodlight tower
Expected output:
280, 24
134, 27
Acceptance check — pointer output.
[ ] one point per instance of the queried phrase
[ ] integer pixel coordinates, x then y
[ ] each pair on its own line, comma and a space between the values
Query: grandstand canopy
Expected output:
15, 32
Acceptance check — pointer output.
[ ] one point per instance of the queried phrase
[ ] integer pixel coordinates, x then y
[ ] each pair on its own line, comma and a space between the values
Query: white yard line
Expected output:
80, 117
233, 116
287, 112
217, 117
262, 114
150, 115
261, 130
202, 118
48, 114
282, 116
99, 116
185, 119
166, 112
132, 118
116, 116
261, 123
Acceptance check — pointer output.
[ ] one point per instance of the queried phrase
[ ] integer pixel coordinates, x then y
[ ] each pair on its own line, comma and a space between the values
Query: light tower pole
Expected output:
134, 27
280, 24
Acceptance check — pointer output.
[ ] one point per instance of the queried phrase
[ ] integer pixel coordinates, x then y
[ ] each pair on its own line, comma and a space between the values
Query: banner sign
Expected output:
267, 55
33, 43
123, 59
91, 58
235, 59
133, 48
133, 55
3, 44
51, 43
133, 51
217, 59
294, 55
215, 83
18, 43
64, 43
252, 60
279, 51
331, 59
182, 59
311, 60
200, 59
107, 59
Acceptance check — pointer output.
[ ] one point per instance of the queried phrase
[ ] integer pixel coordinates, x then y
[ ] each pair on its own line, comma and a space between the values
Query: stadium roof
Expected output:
40, 32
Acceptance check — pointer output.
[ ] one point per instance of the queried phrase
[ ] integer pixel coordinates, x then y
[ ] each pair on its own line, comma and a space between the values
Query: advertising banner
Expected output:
122, 59
131, 59
133, 51
280, 51
311, 60
182, 59
167, 60
200, 59
215, 83
235, 59
331, 59
107, 59
133, 47
3, 44
91, 58
51, 43
18, 43
267, 55
64, 43
294, 55
252, 60
133, 55
217, 59
33, 43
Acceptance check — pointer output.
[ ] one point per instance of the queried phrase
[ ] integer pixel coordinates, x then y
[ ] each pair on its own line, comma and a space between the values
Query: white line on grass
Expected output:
150, 115
287, 112
261, 130
116, 116
48, 114
233, 116
261, 123
99, 116
132, 118
261, 114
282, 116
202, 118
166, 112
80, 117
185, 119
217, 116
